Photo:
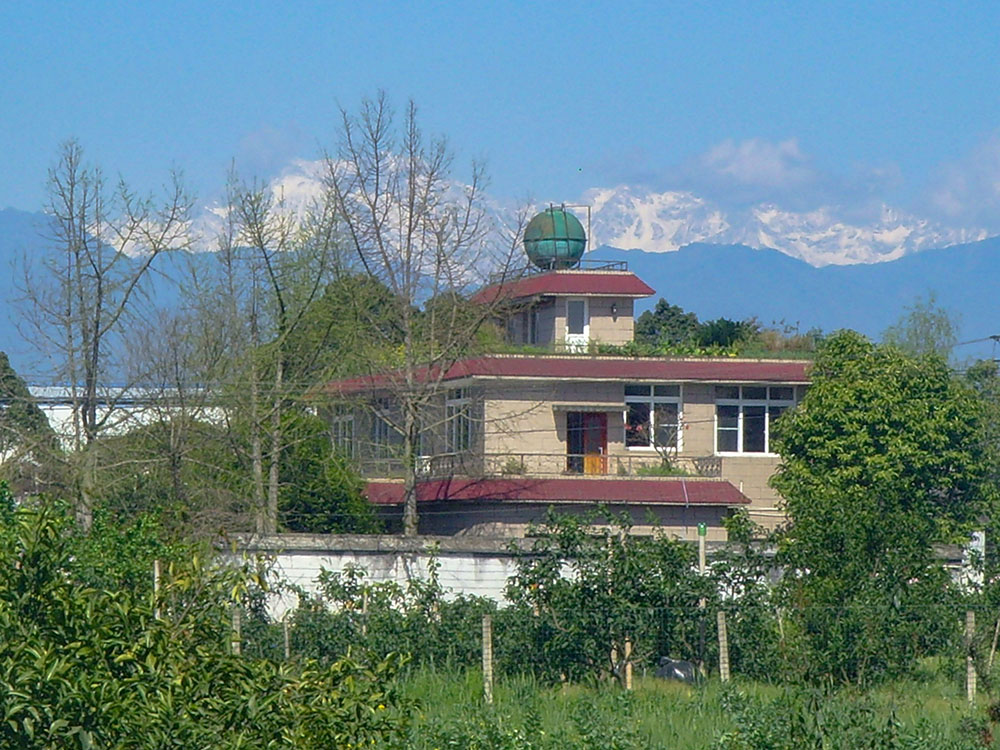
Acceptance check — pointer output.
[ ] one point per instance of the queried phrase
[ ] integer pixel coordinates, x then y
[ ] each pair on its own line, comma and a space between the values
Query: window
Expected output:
342, 431
652, 416
384, 435
458, 418
744, 416
576, 316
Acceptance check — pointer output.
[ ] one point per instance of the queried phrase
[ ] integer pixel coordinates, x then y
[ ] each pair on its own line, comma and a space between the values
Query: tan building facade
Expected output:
672, 442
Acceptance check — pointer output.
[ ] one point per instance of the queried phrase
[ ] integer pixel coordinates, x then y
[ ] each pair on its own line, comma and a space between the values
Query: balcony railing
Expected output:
445, 465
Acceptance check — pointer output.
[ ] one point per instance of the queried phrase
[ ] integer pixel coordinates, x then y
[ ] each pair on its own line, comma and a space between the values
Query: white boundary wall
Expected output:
466, 565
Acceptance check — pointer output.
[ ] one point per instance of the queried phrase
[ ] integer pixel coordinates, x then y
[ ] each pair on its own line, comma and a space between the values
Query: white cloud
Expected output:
968, 190
757, 162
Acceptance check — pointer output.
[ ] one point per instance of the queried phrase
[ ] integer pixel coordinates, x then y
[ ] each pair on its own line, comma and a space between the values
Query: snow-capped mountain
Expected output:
626, 218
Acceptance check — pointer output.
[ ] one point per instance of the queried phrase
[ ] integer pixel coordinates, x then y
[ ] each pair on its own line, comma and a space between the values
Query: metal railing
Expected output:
585, 264
544, 465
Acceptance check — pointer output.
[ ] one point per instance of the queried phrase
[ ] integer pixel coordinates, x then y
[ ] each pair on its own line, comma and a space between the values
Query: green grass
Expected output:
531, 716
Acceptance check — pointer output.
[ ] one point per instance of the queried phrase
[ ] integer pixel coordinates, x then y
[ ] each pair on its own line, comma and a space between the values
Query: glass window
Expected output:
744, 416
667, 420
728, 418
576, 315
458, 432
727, 391
652, 416
637, 425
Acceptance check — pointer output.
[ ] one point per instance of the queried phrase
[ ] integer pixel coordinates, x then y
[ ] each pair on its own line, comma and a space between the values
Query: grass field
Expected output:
658, 714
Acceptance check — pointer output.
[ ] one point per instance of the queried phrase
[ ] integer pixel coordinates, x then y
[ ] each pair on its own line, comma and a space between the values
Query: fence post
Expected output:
288, 640
156, 588
237, 637
628, 663
488, 658
970, 662
723, 646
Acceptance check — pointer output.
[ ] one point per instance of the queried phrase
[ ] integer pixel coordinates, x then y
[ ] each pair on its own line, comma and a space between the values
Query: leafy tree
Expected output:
320, 490
592, 593
86, 664
924, 328
27, 440
884, 457
724, 332
666, 324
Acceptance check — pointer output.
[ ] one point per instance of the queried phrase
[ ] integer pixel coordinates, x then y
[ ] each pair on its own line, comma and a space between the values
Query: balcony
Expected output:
593, 466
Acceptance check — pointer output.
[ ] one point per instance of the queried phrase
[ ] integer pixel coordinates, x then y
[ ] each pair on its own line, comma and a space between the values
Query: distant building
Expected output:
672, 441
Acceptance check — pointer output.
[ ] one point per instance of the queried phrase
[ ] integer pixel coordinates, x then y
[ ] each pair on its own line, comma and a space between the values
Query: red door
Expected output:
587, 442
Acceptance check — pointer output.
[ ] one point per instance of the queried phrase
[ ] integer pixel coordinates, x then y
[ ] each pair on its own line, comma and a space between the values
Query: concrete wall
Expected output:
467, 565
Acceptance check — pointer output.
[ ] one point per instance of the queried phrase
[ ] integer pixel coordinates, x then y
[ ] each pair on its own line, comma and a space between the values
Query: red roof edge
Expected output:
597, 490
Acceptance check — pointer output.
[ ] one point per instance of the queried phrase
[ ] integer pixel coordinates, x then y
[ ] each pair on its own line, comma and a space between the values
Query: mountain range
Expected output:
795, 270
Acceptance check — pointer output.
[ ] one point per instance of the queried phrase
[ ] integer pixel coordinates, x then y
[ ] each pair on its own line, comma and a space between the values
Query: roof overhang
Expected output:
610, 490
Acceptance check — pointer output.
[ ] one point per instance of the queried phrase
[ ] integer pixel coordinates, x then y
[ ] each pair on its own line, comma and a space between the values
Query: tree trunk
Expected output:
271, 519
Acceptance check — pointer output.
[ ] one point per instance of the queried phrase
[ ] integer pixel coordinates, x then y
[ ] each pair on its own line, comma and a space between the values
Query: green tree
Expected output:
27, 441
619, 588
884, 457
320, 490
666, 324
87, 661
924, 328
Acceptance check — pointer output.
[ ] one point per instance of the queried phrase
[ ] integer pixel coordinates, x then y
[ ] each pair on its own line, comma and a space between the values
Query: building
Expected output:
675, 442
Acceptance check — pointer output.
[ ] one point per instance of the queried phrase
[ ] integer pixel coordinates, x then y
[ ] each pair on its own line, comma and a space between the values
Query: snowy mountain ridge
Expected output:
628, 219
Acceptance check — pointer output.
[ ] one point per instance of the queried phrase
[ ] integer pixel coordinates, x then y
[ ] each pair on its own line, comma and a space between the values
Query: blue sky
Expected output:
805, 102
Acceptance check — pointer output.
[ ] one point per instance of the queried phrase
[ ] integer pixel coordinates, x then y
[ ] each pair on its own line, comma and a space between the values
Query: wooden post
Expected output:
364, 612
993, 647
288, 639
702, 533
237, 636
628, 663
723, 647
156, 588
488, 658
970, 662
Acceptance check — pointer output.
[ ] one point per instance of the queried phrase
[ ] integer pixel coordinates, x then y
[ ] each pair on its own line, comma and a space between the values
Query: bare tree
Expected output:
429, 240
89, 290
272, 265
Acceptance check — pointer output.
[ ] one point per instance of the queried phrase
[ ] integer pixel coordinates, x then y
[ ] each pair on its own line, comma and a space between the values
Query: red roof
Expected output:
590, 283
588, 490
660, 369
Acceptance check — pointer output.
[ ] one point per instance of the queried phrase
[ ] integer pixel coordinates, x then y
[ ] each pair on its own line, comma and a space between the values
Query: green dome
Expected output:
555, 239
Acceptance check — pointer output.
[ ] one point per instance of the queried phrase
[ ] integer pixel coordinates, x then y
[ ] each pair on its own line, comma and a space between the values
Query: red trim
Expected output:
522, 490
659, 369
563, 283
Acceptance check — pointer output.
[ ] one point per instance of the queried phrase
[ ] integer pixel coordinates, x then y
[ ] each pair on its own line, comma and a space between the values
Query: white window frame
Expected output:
652, 400
742, 402
578, 341
382, 431
458, 420
342, 432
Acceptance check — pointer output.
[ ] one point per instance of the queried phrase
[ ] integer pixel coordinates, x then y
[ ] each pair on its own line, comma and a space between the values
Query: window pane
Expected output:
637, 425
753, 429
727, 438
667, 390
575, 315
637, 390
729, 416
665, 417
755, 392
727, 391
727, 441
782, 393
